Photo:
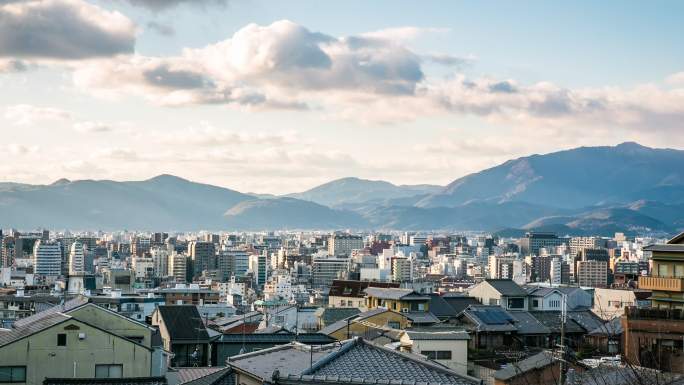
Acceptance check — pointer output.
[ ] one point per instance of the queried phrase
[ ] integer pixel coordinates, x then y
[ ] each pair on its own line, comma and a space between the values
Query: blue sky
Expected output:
278, 96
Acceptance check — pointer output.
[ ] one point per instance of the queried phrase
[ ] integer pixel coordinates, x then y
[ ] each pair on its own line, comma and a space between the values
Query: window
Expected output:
437, 354
535, 302
431, 354
109, 371
12, 374
393, 324
61, 339
516, 303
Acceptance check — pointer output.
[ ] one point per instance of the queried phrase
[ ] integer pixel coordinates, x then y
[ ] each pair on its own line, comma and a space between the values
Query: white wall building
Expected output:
47, 258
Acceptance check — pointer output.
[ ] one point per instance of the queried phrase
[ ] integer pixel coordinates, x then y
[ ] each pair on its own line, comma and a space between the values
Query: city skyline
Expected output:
277, 98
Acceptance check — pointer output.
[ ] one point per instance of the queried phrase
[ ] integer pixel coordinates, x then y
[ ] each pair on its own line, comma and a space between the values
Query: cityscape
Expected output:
259, 192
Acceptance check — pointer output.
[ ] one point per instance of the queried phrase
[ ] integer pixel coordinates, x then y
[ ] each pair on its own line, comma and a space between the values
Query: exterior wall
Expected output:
397, 305
43, 358
338, 301
654, 343
458, 349
382, 319
118, 325
610, 303
486, 294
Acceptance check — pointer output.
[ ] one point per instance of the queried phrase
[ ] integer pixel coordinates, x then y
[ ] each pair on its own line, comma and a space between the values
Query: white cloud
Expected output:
92, 127
676, 79
63, 30
26, 114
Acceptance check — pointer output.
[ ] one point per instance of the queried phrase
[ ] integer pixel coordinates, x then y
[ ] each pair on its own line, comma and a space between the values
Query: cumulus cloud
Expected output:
26, 114
63, 30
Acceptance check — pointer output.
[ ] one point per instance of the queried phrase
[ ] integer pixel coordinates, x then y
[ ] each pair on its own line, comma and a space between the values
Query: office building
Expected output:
533, 241
77, 258
343, 244
47, 258
325, 269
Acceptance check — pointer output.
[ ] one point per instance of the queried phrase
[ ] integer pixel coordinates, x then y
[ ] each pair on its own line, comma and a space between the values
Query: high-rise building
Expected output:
592, 273
533, 241
402, 269
160, 258
258, 264
578, 244
541, 268
77, 258
559, 271
47, 258
203, 256
140, 246
344, 244
325, 269
177, 266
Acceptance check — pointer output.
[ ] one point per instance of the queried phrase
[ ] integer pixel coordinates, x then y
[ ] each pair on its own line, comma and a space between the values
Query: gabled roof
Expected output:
330, 315
183, 322
359, 317
393, 293
677, 239
276, 338
459, 303
67, 306
537, 361
449, 336
8, 336
610, 328
507, 287
200, 376
674, 248
421, 317
552, 320
358, 360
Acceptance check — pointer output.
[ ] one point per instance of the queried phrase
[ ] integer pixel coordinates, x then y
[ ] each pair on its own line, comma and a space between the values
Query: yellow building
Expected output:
667, 274
400, 300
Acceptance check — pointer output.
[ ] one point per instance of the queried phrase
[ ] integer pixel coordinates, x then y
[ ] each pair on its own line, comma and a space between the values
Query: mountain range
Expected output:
587, 190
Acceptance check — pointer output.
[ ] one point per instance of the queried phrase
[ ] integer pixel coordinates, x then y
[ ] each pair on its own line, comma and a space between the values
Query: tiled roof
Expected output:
507, 287
536, 361
451, 335
610, 328
459, 303
292, 358
69, 305
366, 362
277, 338
421, 317
200, 376
676, 248
7, 336
183, 322
106, 381
331, 315
359, 317
390, 293
527, 324
552, 320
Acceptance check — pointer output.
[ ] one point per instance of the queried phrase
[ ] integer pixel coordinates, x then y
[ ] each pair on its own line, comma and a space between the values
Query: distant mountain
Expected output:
355, 190
163, 202
289, 213
589, 190
574, 178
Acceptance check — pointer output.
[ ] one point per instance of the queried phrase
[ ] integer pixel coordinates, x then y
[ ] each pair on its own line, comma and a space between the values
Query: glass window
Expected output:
516, 303
431, 354
10, 374
662, 270
61, 339
444, 354
679, 271
109, 371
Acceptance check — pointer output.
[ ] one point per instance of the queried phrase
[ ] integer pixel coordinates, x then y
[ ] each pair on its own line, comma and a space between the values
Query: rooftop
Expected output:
394, 293
536, 361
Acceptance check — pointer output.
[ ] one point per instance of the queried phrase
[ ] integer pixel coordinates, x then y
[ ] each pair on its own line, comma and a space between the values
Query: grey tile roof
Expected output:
527, 324
676, 248
365, 362
610, 328
333, 314
69, 305
552, 320
460, 303
276, 338
421, 317
359, 317
536, 361
450, 335
202, 376
7, 336
507, 287
106, 381
389, 293
292, 358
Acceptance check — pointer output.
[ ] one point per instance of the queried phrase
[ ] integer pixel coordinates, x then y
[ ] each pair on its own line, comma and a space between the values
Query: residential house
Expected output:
502, 292
328, 315
449, 348
490, 327
229, 345
551, 298
400, 300
667, 274
611, 303
183, 333
350, 294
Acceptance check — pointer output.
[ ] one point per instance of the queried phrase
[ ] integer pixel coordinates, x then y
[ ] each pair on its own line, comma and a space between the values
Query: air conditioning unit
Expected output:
405, 310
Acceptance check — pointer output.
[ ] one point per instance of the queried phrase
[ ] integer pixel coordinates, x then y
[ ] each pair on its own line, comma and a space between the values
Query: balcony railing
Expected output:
661, 283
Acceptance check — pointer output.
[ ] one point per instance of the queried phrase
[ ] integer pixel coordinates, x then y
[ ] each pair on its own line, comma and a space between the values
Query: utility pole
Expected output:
564, 317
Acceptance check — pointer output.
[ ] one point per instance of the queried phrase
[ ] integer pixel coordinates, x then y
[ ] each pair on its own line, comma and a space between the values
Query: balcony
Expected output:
660, 283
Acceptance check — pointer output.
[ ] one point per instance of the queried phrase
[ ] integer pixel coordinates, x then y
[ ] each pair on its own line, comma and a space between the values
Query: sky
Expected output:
280, 96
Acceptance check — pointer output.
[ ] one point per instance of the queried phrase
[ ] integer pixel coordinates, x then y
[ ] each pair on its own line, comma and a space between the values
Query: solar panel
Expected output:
493, 316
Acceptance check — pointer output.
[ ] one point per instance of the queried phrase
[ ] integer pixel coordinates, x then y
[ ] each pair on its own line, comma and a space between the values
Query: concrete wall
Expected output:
43, 358
458, 348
